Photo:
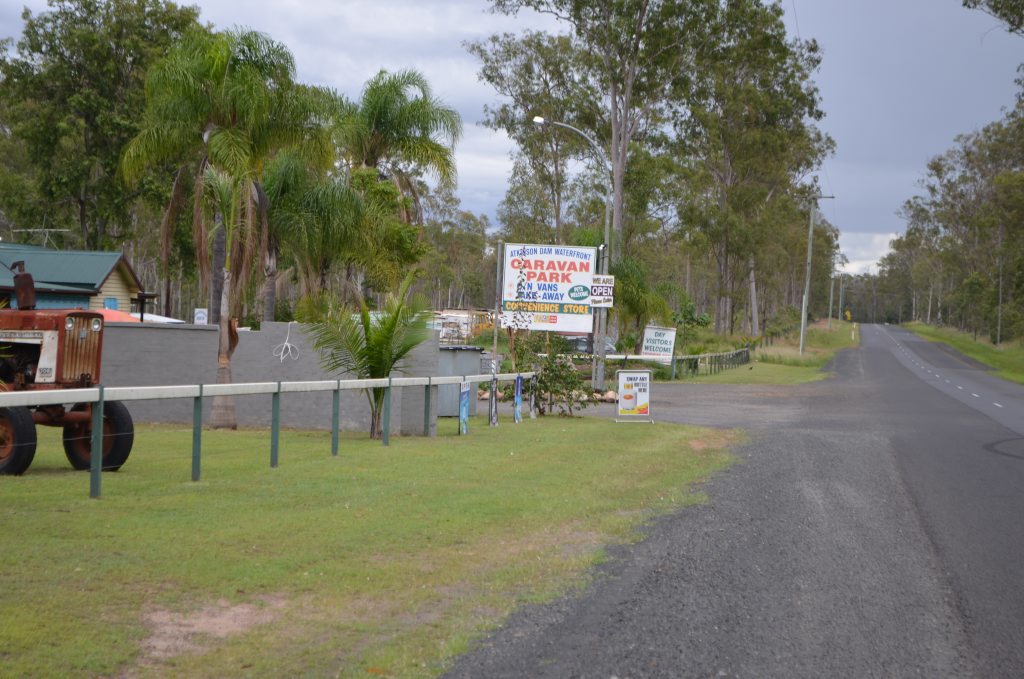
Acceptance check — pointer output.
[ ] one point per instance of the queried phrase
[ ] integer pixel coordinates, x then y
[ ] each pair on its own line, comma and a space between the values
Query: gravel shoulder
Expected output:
810, 559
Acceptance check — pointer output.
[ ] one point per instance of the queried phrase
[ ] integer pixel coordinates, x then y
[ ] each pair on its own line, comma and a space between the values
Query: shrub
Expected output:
559, 384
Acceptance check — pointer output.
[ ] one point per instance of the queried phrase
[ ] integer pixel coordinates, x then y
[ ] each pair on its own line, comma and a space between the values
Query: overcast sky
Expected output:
900, 79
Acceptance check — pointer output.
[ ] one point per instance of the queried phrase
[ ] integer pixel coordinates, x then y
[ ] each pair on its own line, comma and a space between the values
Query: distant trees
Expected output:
961, 260
708, 113
71, 96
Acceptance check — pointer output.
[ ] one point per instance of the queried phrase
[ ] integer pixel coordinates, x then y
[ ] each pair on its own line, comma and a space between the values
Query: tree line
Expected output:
960, 260
127, 124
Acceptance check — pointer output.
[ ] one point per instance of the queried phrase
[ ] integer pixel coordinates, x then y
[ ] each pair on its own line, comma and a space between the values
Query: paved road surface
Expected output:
874, 528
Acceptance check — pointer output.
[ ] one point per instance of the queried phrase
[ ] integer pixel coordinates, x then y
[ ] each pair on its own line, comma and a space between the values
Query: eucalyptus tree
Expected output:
1010, 12
539, 74
453, 266
747, 121
72, 95
640, 51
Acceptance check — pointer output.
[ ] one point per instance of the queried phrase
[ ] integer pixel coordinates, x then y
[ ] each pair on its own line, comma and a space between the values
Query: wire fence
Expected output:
708, 364
103, 434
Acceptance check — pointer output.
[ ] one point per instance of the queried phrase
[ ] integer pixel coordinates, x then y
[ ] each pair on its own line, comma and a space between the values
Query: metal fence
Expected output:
197, 392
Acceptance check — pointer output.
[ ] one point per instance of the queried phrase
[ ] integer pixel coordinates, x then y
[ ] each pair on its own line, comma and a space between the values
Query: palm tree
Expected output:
317, 218
398, 128
228, 100
220, 105
368, 345
636, 302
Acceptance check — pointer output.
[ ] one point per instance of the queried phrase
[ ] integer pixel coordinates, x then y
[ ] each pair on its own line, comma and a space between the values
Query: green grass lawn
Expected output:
1007, 360
379, 562
781, 363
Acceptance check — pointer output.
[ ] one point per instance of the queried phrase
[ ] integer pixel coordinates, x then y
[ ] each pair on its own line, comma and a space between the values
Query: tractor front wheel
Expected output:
17, 440
118, 437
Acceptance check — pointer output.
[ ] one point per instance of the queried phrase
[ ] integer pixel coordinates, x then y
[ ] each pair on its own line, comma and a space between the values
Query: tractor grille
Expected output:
81, 351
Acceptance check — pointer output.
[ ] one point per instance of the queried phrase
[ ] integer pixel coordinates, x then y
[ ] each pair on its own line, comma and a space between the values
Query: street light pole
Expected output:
600, 328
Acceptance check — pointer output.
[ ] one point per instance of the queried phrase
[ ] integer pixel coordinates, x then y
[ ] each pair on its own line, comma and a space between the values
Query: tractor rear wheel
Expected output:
118, 437
17, 440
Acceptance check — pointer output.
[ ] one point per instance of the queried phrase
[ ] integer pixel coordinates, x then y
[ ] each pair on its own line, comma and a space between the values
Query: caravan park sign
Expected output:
547, 287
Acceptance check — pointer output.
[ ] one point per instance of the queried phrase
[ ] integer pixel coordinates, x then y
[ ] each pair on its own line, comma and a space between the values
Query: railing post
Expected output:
426, 409
335, 417
673, 368
197, 433
492, 404
533, 397
96, 450
387, 413
275, 424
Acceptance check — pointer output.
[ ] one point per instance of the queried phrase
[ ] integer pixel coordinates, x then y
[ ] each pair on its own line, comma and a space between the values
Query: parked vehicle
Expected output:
583, 344
52, 349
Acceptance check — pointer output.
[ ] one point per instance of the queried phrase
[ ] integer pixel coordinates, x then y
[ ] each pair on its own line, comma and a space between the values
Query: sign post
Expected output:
634, 396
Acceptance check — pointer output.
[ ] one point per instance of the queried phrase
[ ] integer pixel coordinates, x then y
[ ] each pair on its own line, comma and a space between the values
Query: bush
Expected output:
559, 384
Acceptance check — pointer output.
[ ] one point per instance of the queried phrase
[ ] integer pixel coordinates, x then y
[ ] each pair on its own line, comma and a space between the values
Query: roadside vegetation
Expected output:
781, 362
1006, 360
960, 261
383, 561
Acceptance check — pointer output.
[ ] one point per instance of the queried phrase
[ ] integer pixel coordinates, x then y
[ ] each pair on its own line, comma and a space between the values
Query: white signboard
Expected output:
659, 343
602, 291
200, 317
634, 393
547, 287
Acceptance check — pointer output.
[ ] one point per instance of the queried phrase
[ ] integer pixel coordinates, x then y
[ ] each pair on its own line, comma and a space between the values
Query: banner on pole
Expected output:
517, 403
547, 287
463, 408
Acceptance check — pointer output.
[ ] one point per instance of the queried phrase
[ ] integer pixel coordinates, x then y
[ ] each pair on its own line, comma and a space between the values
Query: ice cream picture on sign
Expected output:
634, 392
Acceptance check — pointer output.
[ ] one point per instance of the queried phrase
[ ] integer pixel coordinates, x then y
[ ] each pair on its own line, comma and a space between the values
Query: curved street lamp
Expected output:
600, 332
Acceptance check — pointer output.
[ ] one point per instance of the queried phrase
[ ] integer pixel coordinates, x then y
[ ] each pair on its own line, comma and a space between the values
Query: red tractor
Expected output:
45, 349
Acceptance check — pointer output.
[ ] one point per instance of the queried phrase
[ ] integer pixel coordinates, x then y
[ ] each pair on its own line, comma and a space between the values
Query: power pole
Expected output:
807, 276
831, 288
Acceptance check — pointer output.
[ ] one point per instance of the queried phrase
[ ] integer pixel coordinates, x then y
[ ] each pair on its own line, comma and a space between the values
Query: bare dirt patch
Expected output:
175, 633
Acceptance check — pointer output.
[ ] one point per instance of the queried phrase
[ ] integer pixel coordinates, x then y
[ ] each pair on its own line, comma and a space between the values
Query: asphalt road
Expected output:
875, 527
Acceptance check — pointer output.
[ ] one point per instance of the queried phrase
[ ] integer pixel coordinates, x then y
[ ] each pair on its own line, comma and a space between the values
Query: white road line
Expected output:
959, 387
947, 381
997, 405
975, 396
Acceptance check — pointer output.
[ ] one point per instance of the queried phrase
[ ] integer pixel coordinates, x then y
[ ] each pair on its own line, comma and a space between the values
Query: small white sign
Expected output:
659, 343
200, 317
602, 292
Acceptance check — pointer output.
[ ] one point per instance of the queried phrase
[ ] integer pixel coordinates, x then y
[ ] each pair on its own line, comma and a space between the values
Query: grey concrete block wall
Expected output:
154, 355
